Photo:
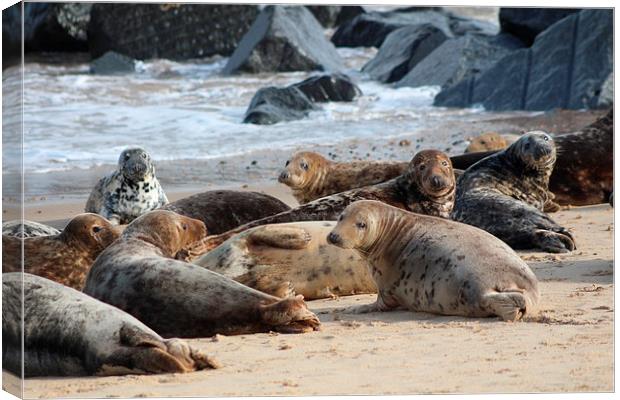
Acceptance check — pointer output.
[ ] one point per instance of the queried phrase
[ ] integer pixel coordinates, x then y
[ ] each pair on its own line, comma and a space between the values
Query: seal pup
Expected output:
427, 187
311, 176
67, 333
27, 229
137, 274
128, 192
487, 141
434, 265
505, 194
223, 210
64, 258
293, 256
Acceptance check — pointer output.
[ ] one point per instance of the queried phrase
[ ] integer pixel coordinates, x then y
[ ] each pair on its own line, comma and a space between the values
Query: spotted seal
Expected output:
67, 333
138, 275
505, 194
427, 187
64, 258
128, 192
27, 229
311, 176
430, 264
223, 210
293, 256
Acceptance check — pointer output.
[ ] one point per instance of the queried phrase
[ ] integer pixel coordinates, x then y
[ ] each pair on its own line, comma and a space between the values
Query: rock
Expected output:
558, 71
324, 88
347, 13
326, 15
461, 25
271, 105
112, 63
606, 98
402, 50
284, 39
371, 29
458, 59
527, 23
172, 31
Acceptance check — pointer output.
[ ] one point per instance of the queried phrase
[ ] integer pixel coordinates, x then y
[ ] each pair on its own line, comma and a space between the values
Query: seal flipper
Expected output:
289, 315
509, 306
282, 237
377, 306
553, 242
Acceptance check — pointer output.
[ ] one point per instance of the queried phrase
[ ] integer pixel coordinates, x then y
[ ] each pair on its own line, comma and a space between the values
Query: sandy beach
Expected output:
568, 347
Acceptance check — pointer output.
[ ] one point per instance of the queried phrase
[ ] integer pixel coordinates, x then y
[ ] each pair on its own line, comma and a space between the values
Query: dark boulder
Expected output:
458, 59
172, 31
112, 63
326, 15
324, 88
347, 13
284, 39
402, 50
565, 68
271, 105
527, 23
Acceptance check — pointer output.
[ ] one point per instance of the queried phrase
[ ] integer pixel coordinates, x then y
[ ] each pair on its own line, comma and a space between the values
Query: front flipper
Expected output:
290, 315
554, 242
378, 306
509, 306
282, 237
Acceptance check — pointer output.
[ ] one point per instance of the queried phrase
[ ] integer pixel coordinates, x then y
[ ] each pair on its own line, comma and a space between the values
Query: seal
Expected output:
64, 258
485, 142
293, 256
223, 210
137, 274
505, 194
27, 229
311, 176
67, 333
434, 265
427, 187
128, 192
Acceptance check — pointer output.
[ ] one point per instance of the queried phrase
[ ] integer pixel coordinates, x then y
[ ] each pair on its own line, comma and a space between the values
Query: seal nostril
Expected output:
333, 238
435, 181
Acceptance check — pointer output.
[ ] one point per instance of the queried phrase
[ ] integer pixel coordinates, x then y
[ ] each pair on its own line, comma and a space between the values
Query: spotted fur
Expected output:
27, 229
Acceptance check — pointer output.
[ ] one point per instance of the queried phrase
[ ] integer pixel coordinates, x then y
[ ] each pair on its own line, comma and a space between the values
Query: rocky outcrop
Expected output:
271, 105
565, 68
112, 63
402, 50
326, 15
284, 39
606, 98
527, 23
172, 31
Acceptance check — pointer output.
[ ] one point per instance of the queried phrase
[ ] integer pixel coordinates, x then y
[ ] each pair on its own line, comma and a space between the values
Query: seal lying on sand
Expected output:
65, 257
430, 264
223, 210
427, 187
506, 192
128, 192
28, 229
277, 258
136, 274
312, 176
490, 141
67, 333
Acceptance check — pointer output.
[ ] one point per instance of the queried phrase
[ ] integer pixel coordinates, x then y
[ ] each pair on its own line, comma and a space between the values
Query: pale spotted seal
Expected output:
490, 141
136, 274
311, 176
427, 187
434, 265
27, 229
65, 257
67, 333
128, 192
277, 258
223, 210
505, 194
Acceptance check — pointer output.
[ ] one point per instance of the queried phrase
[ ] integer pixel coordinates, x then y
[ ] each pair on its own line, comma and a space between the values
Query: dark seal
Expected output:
506, 193
128, 192
427, 187
137, 274
67, 333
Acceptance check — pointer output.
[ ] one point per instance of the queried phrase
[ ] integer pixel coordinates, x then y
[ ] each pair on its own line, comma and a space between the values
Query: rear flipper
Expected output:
554, 242
509, 306
282, 237
289, 315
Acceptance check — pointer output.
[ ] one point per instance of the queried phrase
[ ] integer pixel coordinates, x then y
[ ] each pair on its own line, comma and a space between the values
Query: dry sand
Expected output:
569, 347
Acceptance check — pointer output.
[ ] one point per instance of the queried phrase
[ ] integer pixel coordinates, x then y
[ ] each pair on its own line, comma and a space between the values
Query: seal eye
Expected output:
96, 229
444, 163
422, 167
127, 156
341, 217
361, 225
304, 166
546, 138
184, 227
287, 163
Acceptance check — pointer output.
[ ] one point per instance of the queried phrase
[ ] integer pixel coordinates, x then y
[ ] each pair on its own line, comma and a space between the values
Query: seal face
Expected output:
223, 210
67, 333
64, 258
128, 192
312, 176
506, 193
138, 275
278, 258
427, 187
27, 229
434, 265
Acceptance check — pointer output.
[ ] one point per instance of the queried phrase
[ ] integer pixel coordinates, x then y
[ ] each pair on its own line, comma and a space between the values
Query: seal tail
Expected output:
290, 315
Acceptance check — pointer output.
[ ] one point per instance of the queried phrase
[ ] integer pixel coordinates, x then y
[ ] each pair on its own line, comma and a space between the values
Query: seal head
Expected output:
135, 164
302, 169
